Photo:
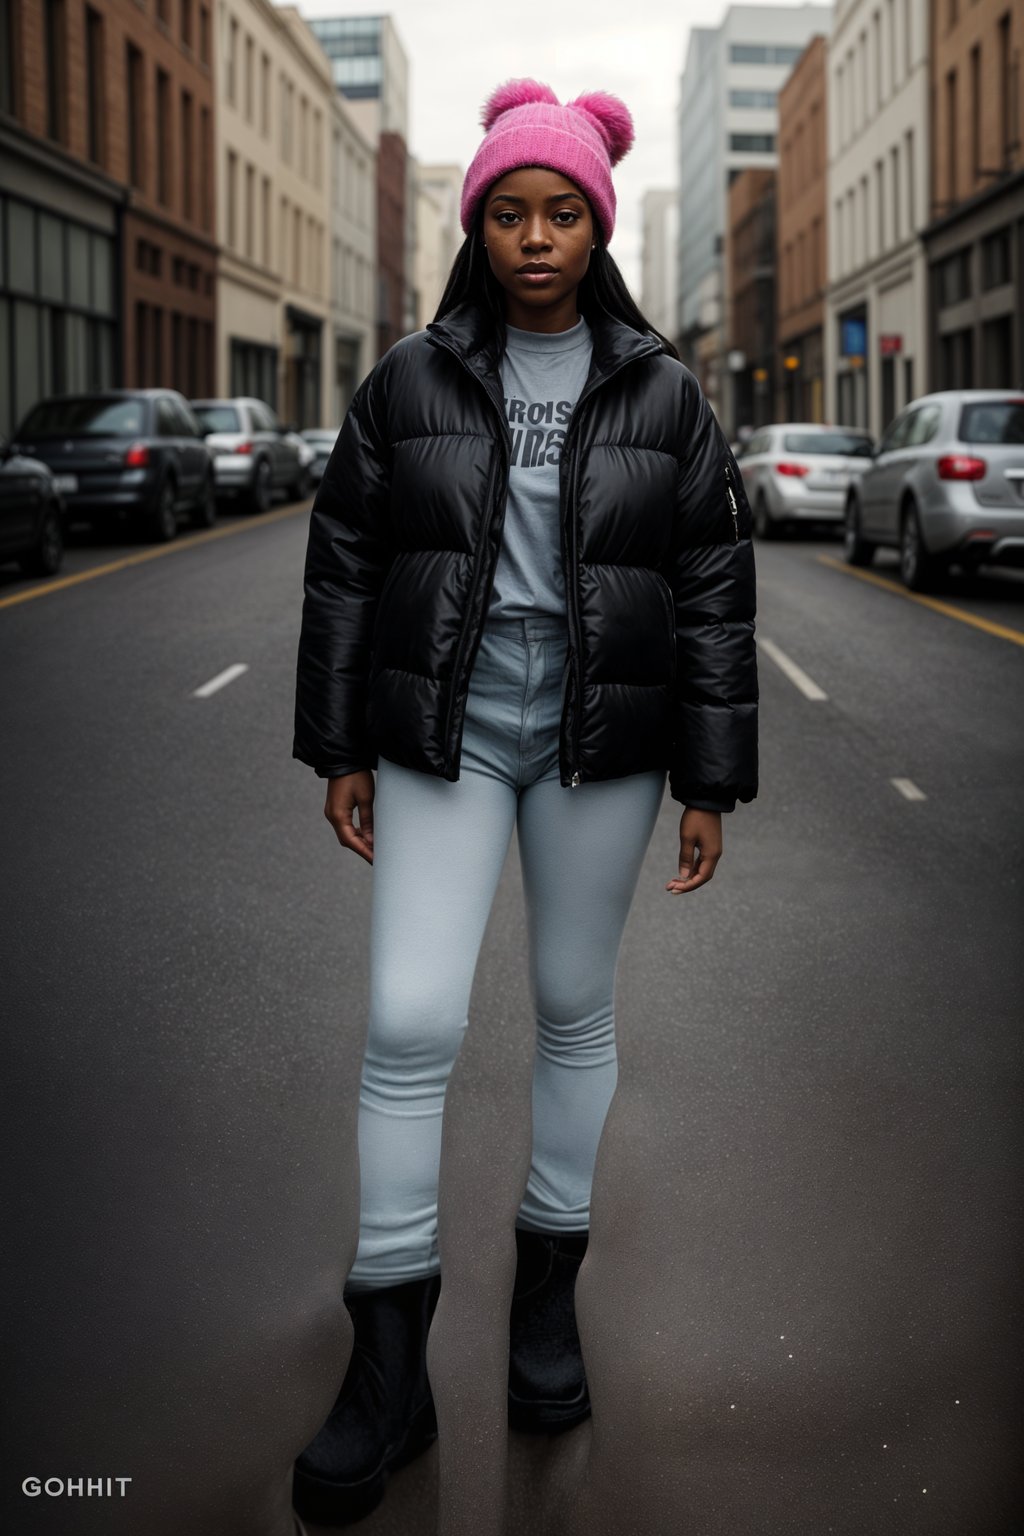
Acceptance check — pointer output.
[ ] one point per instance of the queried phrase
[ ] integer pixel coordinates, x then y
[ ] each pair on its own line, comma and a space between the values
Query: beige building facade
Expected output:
274, 106
801, 261
876, 345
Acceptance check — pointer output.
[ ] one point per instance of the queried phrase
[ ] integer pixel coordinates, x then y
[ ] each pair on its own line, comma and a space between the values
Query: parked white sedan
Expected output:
797, 472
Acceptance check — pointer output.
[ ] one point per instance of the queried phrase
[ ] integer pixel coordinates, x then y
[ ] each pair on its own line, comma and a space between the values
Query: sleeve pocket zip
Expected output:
732, 503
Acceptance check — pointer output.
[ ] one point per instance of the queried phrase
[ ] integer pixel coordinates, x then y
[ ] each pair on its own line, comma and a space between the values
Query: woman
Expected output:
529, 594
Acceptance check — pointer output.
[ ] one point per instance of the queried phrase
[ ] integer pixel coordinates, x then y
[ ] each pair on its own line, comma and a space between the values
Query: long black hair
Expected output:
601, 287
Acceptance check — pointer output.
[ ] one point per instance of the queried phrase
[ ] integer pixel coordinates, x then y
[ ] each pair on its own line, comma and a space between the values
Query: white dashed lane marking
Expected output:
908, 789
221, 680
808, 687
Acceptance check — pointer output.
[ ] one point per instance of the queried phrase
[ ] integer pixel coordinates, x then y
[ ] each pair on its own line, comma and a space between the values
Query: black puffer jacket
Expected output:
404, 539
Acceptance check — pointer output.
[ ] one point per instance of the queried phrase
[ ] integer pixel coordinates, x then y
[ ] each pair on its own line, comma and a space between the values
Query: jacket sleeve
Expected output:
347, 557
711, 572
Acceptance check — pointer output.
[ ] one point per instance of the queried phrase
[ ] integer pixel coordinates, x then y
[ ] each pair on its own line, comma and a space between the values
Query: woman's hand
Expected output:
700, 848
344, 794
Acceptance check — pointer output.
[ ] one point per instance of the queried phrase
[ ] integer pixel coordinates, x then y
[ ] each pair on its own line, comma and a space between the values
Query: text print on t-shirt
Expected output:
535, 441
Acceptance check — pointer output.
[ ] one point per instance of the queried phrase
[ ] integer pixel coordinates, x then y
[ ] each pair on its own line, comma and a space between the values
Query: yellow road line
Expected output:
150, 554
1003, 631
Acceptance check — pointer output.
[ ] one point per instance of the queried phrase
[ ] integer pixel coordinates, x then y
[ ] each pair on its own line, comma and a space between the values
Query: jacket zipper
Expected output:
572, 591
464, 636
732, 503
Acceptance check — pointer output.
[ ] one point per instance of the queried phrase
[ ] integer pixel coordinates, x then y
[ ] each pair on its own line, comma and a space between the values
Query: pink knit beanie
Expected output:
525, 124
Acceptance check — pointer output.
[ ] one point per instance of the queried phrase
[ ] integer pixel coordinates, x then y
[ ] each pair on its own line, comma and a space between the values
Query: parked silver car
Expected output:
946, 486
254, 455
799, 472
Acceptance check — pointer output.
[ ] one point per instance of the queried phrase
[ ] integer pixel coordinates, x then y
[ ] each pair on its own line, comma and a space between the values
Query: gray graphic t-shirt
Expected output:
542, 375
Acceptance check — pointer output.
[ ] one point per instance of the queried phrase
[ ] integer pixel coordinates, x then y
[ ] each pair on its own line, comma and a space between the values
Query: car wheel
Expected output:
259, 497
164, 519
857, 549
46, 555
205, 514
764, 523
918, 568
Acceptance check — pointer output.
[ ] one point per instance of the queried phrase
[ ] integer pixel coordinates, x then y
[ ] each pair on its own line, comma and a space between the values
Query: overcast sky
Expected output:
459, 50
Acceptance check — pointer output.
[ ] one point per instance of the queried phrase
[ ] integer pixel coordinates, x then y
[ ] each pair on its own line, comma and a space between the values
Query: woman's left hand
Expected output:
700, 848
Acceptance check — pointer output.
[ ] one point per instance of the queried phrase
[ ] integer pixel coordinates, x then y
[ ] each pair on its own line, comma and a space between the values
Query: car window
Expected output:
759, 443
923, 425
993, 421
851, 443
187, 426
896, 434
217, 418
263, 417
84, 417
167, 424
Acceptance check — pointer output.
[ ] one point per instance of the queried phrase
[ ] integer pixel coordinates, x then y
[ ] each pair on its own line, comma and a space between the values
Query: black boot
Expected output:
384, 1413
547, 1385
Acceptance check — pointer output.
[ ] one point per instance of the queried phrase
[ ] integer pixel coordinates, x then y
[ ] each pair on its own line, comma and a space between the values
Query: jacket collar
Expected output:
469, 330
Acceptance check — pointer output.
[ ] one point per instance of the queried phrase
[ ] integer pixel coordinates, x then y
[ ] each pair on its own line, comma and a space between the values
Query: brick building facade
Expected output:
801, 262
106, 119
975, 236
751, 257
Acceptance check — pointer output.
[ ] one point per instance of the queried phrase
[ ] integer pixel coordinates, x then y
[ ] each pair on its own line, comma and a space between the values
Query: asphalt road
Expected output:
799, 1306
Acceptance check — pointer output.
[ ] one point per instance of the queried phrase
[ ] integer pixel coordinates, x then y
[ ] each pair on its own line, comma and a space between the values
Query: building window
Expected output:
7, 41
1006, 94
56, 44
136, 118
771, 53
231, 62
908, 151
759, 100
250, 78
95, 85
304, 137
250, 211
204, 34
890, 28
975, 108
297, 273
266, 221
958, 360
752, 143
253, 371
186, 24
187, 156
232, 191
951, 14
907, 49
880, 201
996, 259
265, 96
894, 168
205, 151
876, 44
951, 136
318, 153
284, 227
163, 137
954, 278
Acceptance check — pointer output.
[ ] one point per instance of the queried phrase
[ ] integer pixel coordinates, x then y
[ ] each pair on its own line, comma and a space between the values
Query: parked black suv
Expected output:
136, 456
31, 514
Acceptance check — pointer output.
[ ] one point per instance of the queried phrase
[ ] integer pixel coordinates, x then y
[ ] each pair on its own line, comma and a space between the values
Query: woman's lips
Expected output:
539, 278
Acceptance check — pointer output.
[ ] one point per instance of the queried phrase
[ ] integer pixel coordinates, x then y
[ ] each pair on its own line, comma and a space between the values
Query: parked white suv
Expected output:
254, 455
796, 472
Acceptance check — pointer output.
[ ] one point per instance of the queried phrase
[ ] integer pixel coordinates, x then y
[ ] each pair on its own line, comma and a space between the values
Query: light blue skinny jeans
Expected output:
439, 848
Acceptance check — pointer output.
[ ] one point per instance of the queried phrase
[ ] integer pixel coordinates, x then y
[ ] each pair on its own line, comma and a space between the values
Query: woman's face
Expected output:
537, 217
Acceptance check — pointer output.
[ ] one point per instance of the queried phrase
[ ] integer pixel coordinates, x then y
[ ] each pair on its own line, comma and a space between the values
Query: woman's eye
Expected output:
570, 215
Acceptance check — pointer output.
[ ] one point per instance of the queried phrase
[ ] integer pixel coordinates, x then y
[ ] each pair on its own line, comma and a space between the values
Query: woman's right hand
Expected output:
344, 795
